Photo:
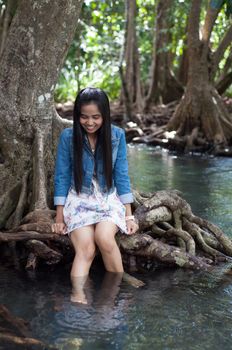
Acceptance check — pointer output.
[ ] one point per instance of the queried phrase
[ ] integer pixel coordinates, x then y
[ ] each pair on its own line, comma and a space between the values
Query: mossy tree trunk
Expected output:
36, 46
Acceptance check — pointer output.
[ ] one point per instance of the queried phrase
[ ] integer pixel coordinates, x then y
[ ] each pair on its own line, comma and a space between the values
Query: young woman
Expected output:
92, 187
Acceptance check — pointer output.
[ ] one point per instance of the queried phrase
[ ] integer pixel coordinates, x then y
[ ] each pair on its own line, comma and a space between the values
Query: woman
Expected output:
92, 187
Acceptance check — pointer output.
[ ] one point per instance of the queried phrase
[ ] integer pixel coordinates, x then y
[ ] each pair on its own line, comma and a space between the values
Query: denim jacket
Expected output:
64, 178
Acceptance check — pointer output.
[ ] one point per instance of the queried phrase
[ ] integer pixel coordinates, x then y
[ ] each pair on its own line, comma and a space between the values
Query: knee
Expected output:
104, 243
86, 251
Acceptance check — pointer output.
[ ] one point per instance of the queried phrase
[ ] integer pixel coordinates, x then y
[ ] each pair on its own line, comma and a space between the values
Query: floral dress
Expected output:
84, 209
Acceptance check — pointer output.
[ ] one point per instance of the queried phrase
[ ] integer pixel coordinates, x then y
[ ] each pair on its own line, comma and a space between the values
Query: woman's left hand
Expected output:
132, 226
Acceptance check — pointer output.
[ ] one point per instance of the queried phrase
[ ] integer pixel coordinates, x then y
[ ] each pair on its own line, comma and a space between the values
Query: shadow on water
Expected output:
176, 309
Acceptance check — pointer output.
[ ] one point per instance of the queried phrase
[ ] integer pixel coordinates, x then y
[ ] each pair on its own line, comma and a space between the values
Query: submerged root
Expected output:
16, 333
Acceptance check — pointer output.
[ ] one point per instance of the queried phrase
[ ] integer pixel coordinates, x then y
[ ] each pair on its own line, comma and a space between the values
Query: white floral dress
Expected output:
84, 209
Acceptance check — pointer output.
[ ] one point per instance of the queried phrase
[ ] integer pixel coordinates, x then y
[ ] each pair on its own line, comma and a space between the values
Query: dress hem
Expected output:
96, 222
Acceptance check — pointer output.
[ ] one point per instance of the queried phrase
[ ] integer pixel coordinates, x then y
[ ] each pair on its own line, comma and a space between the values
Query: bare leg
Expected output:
104, 238
84, 245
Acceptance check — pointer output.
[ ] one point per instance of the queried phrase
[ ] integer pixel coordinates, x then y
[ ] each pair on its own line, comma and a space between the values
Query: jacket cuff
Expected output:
59, 200
126, 198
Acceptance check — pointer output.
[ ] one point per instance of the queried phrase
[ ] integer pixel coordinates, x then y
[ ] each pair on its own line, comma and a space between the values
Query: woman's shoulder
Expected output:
66, 133
116, 131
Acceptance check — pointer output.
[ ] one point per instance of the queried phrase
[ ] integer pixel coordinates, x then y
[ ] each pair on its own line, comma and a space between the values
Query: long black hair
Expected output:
87, 96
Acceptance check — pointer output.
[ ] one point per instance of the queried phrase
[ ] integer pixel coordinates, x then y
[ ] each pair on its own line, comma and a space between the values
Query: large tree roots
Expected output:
169, 234
200, 123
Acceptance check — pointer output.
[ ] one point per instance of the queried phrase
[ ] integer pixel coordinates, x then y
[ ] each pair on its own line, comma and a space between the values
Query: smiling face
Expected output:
90, 118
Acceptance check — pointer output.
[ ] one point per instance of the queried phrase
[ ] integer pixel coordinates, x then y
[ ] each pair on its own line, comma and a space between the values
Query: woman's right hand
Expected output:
59, 228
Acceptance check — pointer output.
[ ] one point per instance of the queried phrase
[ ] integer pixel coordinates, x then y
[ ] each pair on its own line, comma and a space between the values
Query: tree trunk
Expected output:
131, 80
163, 86
36, 46
201, 116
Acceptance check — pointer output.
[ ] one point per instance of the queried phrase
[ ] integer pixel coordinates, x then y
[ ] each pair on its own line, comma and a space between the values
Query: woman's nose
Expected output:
90, 121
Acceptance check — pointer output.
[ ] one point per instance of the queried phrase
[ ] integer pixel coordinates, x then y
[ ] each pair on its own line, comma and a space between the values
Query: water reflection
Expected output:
177, 309
82, 289
94, 313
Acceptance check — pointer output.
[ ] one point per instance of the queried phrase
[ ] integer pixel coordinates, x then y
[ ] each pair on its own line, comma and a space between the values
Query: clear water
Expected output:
176, 309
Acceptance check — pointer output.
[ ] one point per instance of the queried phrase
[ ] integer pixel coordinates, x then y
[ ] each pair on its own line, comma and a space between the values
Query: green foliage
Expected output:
93, 57
94, 54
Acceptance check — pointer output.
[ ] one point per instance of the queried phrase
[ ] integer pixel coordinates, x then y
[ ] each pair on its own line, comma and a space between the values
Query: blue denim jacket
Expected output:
64, 167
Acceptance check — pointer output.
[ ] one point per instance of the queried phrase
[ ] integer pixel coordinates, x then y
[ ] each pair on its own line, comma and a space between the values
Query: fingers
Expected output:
58, 228
132, 227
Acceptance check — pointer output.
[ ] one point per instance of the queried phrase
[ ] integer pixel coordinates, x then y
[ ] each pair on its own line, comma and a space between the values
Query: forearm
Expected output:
128, 209
59, 214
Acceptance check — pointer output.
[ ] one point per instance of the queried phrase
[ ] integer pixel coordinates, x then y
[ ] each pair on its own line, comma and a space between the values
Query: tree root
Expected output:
200, 123
39, 179
169, 233
144, 245
16, 217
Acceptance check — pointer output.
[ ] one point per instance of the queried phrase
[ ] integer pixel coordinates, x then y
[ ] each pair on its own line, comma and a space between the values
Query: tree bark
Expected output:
6, 21
37, 44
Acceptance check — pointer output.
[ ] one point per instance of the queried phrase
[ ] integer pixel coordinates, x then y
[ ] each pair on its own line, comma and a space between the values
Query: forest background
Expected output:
148, 53
96, 51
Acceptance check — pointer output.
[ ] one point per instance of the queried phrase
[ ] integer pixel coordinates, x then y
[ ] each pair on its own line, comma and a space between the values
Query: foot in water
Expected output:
134, 282
78, 290
78, 298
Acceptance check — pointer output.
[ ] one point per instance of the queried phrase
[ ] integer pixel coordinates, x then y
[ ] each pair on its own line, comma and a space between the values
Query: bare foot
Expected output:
78, 292
134, 282
79, 298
